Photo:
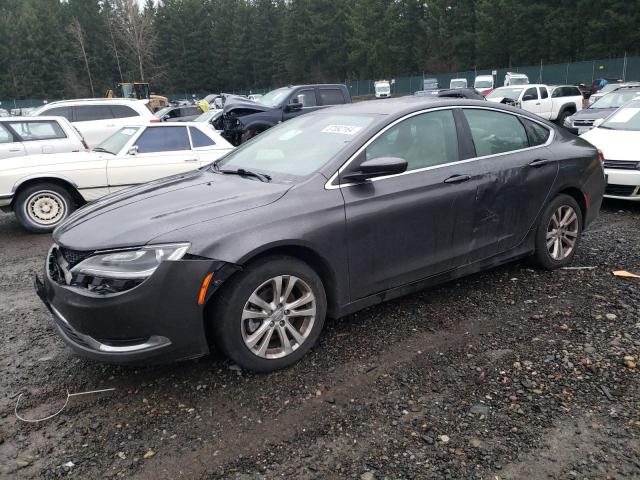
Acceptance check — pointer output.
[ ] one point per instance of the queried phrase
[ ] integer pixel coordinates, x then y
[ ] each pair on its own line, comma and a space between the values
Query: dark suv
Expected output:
243, 119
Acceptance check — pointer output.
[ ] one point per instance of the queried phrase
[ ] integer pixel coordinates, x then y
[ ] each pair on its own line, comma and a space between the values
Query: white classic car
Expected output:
42, 190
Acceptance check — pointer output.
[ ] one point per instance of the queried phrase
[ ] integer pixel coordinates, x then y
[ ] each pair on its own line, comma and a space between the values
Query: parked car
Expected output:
42, 190
20, 136
426, 93
430, 85
382, 88
243, 119
98, 118
511, 79
583, 121
484, 84
617, 137
608, 88
254, 97
536, 99
179, 113
4, 113
469, 93
458, 83
209, 117
597, 85
324, 214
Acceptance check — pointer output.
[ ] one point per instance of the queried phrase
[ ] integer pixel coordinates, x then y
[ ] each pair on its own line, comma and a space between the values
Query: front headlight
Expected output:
134, 264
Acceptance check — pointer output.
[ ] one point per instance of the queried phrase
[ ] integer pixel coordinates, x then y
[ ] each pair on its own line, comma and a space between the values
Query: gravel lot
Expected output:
512, 373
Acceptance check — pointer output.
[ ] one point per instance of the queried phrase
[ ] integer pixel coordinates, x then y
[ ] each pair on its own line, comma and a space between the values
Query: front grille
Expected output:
620, 190
622, 164
73, 257
583, 123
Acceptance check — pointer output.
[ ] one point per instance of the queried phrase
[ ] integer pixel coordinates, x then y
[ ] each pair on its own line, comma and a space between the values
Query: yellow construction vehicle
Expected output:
140, 91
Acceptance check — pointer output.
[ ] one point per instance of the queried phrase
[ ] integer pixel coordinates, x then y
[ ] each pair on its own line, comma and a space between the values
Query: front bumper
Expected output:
5, 200
156, 322
623, 184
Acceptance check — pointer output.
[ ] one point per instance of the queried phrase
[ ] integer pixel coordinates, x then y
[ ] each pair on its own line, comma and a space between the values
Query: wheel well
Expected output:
57, 181
568, 108
578, 196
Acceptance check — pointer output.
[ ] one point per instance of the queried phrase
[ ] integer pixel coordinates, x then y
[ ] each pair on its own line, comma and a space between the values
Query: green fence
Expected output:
572, 73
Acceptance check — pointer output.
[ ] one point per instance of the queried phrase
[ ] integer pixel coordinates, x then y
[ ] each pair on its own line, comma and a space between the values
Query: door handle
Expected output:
458, 179
14, 149
538, 103
539, 162
191, 160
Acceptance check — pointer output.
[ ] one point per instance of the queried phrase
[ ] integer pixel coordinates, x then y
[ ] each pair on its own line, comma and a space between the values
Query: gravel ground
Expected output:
511, 373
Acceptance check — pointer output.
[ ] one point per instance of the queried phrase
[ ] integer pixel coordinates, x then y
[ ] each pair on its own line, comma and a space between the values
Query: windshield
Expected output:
483, 84
298, 147
609, 87
458, 84
519, 80
117, 141
274, 97
615, 99
505, 92
208, 116
627, 118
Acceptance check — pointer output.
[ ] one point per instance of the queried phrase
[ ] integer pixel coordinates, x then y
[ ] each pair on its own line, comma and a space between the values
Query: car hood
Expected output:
137, 215
593, 113
55, 160
237, 103
615, 144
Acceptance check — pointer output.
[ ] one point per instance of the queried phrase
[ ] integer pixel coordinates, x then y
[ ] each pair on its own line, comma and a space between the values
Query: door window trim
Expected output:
329, 185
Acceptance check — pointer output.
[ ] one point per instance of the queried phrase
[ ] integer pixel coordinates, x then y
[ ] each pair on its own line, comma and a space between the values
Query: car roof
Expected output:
95, 100
32, 119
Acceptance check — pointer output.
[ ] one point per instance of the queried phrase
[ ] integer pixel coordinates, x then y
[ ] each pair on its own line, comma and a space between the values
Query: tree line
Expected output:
75, 48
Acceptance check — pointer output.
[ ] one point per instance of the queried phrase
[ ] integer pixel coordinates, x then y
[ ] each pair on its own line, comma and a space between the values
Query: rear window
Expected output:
40, 130
199, 139
332, 96
538, 135
88, 113
122, 111
495, 132
163, 139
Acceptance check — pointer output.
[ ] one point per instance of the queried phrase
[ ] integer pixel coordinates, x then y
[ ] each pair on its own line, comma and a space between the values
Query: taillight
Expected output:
487, 92
155, 120
601, 155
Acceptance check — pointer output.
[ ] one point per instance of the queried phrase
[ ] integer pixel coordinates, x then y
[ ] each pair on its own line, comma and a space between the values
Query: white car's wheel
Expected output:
42, 207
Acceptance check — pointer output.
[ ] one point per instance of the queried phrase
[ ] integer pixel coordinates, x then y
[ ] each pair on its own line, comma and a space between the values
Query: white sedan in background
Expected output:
42, 190
21, 136
618, 139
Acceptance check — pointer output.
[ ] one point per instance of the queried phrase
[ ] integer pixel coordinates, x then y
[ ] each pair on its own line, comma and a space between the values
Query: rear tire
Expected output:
263, 330
558, 233
41, 207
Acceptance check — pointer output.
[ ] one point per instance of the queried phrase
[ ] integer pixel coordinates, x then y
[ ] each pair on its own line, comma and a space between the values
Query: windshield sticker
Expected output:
624, 115
128, 131
341, 129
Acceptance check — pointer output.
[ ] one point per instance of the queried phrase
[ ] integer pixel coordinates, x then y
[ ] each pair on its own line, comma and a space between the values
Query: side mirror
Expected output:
598, 121
133, 150
528, 97
377, 167
295, 104
165, 118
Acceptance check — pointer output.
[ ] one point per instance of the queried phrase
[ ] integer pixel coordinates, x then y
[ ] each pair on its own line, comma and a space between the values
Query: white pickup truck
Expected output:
554, 103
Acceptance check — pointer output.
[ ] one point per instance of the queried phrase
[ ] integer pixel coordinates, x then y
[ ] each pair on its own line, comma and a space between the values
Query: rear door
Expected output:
10, 145
161, 152
206, 147
511, 150
409, 226
331, 96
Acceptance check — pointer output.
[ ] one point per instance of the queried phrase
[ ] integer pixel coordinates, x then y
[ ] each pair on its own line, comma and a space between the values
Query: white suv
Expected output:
98, 118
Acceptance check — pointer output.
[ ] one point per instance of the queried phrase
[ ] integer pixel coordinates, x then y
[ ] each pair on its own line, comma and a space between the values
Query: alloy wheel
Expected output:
278, 317
562, 232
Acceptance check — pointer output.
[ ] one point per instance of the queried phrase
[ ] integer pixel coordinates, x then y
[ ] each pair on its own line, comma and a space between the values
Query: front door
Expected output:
309, 100
409, 226
161, 151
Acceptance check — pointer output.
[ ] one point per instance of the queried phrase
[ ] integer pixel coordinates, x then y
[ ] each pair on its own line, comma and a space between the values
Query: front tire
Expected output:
558, 233
269, 315
41, 207
562, 117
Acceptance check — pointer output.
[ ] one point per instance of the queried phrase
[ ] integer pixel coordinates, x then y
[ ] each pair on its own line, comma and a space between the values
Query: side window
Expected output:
87, 113
543, 92
44, 130
192, 111
331, 96
163, 139
538, 135
199, 139
58, 112
533, 91
557, 92
307, 97
5, 135
573, 92
424, 140
495, 132
122, 111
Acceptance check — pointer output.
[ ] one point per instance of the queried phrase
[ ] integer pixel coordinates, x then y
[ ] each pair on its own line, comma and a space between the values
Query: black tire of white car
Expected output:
41, 207
228, 318
543, 257
562, 117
